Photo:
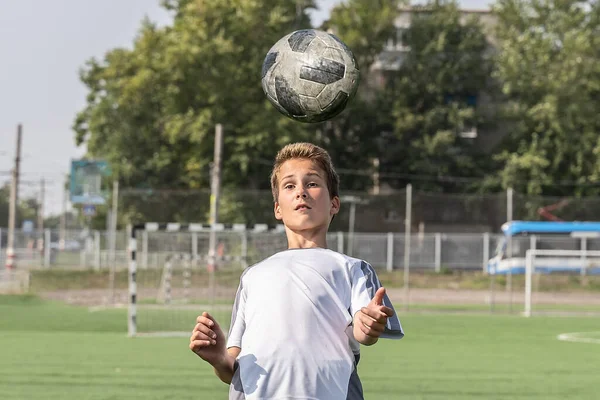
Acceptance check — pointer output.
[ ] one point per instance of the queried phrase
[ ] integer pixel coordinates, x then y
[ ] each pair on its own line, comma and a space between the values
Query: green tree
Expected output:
26, 208
436, 97
152, 110
365, 26
352, 138
549, 68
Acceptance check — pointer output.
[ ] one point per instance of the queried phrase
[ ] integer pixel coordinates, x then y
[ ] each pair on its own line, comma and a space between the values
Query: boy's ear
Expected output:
335, 206
277, 211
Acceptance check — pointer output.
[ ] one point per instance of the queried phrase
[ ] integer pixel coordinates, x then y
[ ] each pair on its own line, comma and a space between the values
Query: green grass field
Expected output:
53, 351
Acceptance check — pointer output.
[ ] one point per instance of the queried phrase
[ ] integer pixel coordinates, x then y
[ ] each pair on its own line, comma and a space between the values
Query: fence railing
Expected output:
430, 251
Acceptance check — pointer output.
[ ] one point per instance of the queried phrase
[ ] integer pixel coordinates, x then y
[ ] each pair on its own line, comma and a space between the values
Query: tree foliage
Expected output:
353, 138
547, 63
26, 208
152, 110
530, 92
437, 95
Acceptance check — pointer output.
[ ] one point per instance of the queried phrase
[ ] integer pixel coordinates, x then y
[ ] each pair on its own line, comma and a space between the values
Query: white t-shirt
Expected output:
292, 319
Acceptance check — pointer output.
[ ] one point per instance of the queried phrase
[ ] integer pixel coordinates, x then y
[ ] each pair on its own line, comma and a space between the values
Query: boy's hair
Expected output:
306, 151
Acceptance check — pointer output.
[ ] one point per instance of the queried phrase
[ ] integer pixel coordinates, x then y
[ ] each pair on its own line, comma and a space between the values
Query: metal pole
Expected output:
132, 310
509, 218
390, 252
47, 240
97, 250
145, 249
187, 277
438, 252
113, 242
492, 274
244, 263
407, 232
486, 251
12, 209
533, 246
195, 249
351, 227
167, 281
63, 221
215, 188
40, 222
583, 256
114, 219
41, 206
529, 257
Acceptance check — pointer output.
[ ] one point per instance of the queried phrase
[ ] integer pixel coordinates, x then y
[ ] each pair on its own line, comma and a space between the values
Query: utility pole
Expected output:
12, 209
112, 240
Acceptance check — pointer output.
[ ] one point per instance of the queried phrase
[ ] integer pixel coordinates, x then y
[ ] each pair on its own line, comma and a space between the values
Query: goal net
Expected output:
572, 271
174, 280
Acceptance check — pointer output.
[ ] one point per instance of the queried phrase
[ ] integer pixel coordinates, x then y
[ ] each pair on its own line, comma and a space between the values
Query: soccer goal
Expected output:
177, 271
547, 269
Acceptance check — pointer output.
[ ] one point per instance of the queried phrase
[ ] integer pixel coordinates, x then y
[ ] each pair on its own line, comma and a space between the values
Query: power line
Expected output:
37, 174
441, 178
416, 177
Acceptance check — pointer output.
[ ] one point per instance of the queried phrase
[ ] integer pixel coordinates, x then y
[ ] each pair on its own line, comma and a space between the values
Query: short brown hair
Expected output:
306, 151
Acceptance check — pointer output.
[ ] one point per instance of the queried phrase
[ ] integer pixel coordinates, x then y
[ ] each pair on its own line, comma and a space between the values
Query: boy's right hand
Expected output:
208, 340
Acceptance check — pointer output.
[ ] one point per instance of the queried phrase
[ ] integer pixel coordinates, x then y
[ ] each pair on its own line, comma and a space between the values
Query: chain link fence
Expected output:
452, 239
372, 213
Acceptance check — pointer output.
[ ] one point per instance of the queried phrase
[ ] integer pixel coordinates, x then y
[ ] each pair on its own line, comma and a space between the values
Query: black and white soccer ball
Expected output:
310, 75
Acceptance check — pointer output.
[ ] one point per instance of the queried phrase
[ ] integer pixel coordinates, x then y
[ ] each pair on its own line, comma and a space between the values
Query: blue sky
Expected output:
43, 44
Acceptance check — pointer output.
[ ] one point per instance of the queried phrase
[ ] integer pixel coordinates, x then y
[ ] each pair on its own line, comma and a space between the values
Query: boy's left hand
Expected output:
372, 319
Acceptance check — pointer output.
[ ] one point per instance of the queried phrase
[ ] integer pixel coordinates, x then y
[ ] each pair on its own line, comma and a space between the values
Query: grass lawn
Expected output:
54, 351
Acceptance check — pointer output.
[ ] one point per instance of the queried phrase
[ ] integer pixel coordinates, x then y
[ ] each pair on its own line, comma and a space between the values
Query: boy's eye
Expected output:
288, 186
312, 184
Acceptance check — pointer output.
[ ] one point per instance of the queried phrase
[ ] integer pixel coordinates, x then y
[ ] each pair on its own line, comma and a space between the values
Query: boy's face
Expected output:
304, 202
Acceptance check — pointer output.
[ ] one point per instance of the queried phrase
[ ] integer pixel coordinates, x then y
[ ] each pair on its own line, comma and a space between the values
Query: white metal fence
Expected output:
90, 249
434, 251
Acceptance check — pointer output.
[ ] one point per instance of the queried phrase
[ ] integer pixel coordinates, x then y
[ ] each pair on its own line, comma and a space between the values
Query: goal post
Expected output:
558, 262
171, 278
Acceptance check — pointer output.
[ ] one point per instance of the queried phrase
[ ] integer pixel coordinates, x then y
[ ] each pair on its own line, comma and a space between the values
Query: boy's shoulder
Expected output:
315, 255
351, 262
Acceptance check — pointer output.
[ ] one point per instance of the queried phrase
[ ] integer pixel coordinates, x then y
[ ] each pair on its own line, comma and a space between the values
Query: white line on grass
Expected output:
580, 337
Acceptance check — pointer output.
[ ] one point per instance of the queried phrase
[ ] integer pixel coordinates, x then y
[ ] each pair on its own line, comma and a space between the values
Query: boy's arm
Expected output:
372, 311
370, 321
226, 365
225, 368
209, 343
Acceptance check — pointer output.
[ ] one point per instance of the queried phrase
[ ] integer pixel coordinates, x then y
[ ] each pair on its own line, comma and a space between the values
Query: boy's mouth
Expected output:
302, 207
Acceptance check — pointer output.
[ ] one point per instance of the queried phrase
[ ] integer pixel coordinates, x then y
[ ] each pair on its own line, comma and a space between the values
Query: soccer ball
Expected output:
310, 75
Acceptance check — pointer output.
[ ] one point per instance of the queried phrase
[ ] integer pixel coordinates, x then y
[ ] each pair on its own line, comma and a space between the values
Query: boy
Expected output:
300, 316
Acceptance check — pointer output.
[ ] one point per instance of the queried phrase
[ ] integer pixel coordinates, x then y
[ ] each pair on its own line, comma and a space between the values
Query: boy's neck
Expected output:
306, 239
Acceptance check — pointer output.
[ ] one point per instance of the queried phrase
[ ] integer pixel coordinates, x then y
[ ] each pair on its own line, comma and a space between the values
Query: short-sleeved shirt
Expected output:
292, 319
